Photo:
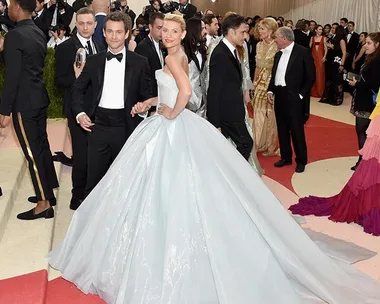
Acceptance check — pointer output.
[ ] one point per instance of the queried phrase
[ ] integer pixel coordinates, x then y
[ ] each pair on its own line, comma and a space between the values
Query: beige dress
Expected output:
264, 120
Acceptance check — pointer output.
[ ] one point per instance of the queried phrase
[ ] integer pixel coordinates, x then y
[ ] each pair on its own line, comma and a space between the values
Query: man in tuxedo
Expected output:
150, 48
25, 96
42, 18
101, 9
65, 76
186, 9
343, 22
62, 13
225, 104
352, 44
119, 79
300, 36
293, 76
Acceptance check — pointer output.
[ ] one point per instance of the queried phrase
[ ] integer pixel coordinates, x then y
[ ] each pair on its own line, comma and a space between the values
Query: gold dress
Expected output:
264, 120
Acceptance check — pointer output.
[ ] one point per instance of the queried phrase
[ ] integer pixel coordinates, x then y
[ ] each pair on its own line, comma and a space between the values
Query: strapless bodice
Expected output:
167, 89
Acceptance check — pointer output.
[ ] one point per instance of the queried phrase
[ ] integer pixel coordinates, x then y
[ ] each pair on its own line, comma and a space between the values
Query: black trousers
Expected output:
106, 140
290, 126
239, 134
79, 170
30, 127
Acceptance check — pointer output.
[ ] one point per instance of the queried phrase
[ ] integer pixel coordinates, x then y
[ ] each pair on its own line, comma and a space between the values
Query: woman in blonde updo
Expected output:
264, 120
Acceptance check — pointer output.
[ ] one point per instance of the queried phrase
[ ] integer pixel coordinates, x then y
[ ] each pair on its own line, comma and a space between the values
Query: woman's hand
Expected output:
165, 111
140, 108
352, 82
324, 59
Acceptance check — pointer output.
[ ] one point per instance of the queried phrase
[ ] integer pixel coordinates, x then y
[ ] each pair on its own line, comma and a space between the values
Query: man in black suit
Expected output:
300, 36
186, 9
101, 9
293, 76
42, 18
352, 44
25, 96
62, 12
150, 48
225, 105
119, 79
65, 76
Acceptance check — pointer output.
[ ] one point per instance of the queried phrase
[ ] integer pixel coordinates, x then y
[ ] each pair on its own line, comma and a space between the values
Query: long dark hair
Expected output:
194, 42
340, 34
375, 37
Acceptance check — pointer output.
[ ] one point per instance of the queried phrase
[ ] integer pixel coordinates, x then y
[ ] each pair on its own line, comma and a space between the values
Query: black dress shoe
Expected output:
33, 199
300, 168
75, 203
282, 162
30, 215
355, 167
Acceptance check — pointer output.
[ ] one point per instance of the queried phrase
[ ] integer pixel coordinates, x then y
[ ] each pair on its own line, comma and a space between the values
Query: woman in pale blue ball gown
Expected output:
182, 218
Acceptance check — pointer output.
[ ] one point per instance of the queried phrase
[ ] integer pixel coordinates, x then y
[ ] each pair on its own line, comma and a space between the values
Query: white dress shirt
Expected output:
83, 42
113, 84
52, 43
230, 46
279, 79
158, 50
209, 39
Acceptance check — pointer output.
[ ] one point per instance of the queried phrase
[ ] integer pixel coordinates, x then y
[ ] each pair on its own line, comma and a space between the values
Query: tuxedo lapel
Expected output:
129, 70
100, 73
292, 59
154, 50
233, 59
77, 43
276, 61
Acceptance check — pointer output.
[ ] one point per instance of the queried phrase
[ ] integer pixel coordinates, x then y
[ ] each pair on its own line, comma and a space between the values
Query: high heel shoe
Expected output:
30, 215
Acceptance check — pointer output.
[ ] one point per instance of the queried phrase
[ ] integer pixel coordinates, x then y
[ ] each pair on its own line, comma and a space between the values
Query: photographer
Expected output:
183, 8
62, 13
59, 33
154, 7
142, 28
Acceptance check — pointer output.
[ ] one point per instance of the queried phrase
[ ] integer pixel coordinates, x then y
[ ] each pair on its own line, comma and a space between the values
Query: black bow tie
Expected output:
119, 56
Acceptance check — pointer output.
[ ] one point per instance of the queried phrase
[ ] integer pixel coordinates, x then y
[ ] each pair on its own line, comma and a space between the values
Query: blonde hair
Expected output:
255, 30
270, 24
228, 14
176, 18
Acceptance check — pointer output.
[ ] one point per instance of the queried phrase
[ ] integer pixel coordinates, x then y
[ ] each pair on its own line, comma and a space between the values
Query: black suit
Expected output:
292, 111
189, 11
225, 105
352, 45
43, 21
64, 78
112, 127
301, 38
147, 49
25, 96
62, 18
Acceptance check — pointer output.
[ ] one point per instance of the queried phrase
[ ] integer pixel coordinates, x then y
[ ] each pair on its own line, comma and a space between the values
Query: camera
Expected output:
54, 29
169, 7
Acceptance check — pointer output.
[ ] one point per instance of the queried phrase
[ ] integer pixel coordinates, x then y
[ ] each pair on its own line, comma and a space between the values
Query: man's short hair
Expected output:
85, 11
344, 19
233, 21
207, 19
352, 23
286, 33
27, 5
154, 16
117, 17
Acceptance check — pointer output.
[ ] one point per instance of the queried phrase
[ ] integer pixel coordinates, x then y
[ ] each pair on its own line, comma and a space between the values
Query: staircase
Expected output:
24, 271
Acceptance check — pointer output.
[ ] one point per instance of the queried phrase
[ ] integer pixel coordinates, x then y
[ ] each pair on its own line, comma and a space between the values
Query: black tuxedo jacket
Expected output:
353, 44
64, 73
189, 11
301, 38
147, 49
43, 22
137, 86
299, 77
24, 56
65, 18
225, 94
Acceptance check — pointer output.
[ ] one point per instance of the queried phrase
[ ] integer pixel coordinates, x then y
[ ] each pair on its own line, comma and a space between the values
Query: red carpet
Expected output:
61, 291
325, 139
25, 289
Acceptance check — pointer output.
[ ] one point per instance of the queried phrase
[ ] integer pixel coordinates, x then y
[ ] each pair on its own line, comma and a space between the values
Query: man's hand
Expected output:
1, 43
220, 130
140, 108
270, 98
78, 70
4, 121
85, 122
